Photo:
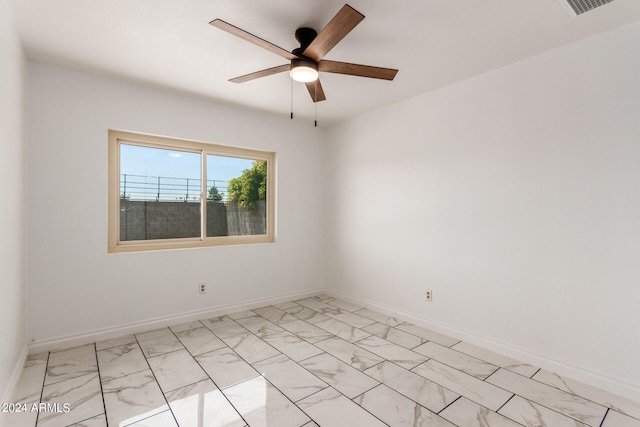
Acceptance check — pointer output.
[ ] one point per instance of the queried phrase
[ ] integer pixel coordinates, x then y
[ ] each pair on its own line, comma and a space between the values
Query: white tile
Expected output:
98, 421
460, 361
223, 326
349, 381
572, 406
323, 297
457, 381
355, 356
496, 359
250, 347
306, 314
350, 318
71, 363
132, 398
331, 408
115, 342
274, 315
465, 413
306, 331
428, 334
531, 414
392, 352
285, 305
395, 335
427, 393
378, 317
186, 326
397, 410
261, 404
31, 380
316, 305
344, 305
342, 330
294, 347
116, 362
241, 314
158, 342
225, 367
259, 325
156, 333
20, 419
610, 400
163, 419
616, 419
82, 394
289, 377
202, 404
200, 340
161, 345
175, 370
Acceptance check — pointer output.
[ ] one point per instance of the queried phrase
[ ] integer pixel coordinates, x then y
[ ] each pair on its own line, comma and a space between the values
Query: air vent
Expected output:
577, 7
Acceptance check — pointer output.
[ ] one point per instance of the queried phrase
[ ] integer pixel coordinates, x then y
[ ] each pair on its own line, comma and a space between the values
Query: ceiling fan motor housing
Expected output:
305, 36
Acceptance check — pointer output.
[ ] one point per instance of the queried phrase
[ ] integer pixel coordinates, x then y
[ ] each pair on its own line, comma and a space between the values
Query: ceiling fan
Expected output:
306, 61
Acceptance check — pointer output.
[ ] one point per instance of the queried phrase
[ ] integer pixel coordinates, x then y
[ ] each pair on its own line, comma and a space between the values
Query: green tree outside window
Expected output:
249, 187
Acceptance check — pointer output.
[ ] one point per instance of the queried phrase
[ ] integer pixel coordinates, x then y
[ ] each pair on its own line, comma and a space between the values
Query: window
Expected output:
168, 193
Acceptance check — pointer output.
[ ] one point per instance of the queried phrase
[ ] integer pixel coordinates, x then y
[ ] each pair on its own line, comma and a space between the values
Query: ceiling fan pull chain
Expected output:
315, 118
291, 99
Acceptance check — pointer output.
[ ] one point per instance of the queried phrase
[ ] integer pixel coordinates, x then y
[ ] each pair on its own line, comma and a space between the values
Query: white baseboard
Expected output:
76, 340
9, 389
613, 385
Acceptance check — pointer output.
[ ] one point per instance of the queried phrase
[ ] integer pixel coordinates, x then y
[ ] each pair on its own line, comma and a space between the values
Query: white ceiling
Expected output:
434, 43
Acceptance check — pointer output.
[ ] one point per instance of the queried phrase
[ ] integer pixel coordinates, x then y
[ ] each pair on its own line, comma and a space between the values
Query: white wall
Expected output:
515, 197
12, 190
74, 285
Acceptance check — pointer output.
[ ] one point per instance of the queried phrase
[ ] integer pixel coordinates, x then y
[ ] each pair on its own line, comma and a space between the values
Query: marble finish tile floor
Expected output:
318, 361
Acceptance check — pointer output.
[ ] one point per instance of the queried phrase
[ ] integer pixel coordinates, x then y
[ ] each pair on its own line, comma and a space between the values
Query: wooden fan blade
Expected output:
357, 70
261, 73
231, 29
316, 91
341, 24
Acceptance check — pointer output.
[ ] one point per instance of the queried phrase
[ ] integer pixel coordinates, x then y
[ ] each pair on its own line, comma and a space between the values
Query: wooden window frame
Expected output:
115, 245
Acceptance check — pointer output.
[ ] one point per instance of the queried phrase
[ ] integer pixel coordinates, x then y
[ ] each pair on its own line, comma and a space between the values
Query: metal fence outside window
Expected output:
167, 189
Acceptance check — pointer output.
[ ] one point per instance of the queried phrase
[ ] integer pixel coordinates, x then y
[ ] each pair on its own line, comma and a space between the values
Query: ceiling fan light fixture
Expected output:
304, 70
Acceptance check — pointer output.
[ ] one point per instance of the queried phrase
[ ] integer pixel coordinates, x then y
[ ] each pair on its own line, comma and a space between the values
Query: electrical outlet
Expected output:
203, 288
428, 295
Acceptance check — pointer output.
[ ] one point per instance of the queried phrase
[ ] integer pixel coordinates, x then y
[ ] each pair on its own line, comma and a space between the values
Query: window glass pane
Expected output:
159, 193
236, 196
